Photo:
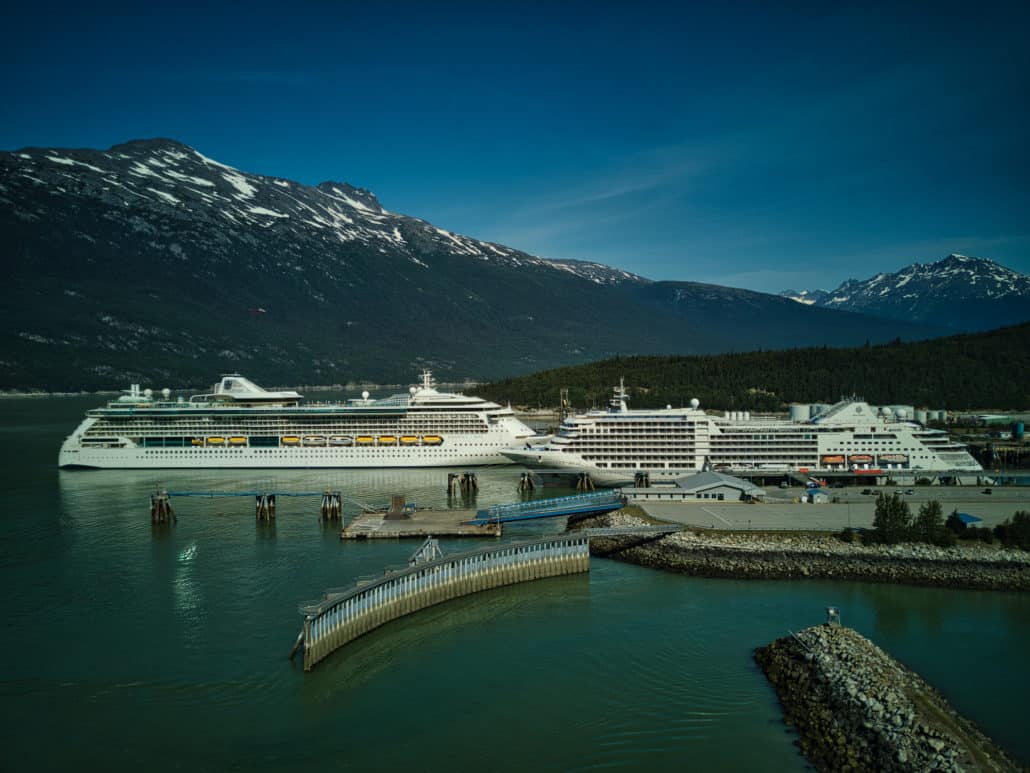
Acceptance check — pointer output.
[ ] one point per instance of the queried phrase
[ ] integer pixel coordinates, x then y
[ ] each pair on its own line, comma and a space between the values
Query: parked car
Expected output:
867, 491
784, 484
986, 491
910, 491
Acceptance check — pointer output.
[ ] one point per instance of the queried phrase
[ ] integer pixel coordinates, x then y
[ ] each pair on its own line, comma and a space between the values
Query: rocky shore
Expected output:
856, 708
765, 555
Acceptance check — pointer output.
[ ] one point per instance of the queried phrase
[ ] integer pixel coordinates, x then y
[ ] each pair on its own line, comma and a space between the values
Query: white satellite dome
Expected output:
695, 403
148, 392
412, 390
166, 393
364, 395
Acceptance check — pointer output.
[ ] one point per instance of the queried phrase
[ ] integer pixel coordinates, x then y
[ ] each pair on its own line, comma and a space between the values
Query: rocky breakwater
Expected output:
768, 555
856, 708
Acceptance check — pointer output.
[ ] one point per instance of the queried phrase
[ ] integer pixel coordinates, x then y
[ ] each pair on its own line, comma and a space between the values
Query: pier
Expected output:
431, 578
477, 523
418, 524
342, 617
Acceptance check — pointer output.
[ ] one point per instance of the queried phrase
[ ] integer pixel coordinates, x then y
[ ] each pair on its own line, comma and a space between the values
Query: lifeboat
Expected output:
387, 440
893, 458
314, 440
290, 440
364, 440
237, 441
860, 459
197, 441
216, 441
341, 440
431, 440
409, 440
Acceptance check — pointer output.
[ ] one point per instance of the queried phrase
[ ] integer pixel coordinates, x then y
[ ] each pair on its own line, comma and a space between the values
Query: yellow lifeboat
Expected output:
314, 440
290, 440
216, 441
364, 440
387, 440
431, 440
409, 440
237, 441
197, 441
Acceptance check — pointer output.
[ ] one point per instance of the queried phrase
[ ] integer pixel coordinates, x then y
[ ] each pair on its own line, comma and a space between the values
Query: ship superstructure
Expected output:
240, 425
613, 445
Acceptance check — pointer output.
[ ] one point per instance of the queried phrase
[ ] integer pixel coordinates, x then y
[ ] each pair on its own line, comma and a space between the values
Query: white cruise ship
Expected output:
613, 446
241, 425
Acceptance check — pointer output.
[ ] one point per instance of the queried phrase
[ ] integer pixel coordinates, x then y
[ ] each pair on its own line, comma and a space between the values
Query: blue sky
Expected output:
729, 143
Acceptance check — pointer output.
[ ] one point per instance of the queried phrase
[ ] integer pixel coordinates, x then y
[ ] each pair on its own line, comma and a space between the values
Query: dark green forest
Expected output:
980, 370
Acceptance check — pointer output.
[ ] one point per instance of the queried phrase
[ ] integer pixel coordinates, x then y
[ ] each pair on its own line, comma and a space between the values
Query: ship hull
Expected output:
280, 458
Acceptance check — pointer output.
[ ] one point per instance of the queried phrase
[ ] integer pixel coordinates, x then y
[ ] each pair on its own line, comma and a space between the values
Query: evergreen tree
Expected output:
892, 522
1015, 531
929, 525
955, 524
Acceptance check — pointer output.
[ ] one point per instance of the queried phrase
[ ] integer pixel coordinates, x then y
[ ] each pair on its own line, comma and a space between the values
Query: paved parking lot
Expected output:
854, 509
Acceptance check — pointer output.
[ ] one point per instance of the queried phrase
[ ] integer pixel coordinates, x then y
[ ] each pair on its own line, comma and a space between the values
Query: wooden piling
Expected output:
161, 508
264, 507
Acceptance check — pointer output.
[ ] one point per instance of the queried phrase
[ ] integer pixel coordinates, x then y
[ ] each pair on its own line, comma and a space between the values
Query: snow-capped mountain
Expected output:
150, 261
958, 292
807, 297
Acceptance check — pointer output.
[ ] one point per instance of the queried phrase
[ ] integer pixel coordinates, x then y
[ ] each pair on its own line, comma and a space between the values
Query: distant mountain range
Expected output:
151, 262
958, 292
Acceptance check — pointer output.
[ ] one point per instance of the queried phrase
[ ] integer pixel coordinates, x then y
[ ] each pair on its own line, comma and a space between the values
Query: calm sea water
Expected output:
128, 646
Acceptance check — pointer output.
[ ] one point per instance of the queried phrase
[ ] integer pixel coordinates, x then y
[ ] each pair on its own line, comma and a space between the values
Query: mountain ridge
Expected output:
958, 291
151, 261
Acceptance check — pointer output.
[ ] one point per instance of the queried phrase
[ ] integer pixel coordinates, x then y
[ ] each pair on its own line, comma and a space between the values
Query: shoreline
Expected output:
769, 556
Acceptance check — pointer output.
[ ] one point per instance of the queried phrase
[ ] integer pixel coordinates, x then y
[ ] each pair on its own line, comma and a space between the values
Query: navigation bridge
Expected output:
431, 578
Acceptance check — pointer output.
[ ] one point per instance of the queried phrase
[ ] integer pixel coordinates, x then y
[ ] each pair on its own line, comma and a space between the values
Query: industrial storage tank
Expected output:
903, 411
800, 412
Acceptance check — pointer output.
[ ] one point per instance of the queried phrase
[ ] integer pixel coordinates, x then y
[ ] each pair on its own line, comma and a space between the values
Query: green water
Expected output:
127, 645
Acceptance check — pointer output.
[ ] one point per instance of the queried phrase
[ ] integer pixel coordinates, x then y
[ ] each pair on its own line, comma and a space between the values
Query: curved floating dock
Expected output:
342, 617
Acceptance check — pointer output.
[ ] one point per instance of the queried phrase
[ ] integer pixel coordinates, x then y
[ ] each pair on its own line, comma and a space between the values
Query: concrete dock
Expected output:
418, 525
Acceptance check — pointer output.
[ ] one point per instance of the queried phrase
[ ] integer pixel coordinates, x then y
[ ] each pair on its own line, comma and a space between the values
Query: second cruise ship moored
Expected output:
613, 446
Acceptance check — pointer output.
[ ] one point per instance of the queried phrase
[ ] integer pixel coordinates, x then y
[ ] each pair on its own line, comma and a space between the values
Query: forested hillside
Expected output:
982, 370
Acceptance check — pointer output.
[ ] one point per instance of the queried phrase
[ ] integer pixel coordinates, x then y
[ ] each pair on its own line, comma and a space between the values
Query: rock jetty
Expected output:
765, 555
856, 708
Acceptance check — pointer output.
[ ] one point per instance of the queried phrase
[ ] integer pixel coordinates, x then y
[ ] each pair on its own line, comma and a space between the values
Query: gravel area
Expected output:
775, 556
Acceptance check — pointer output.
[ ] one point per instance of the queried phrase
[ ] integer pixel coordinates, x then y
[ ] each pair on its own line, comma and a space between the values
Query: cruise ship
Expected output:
613, 445
240, 425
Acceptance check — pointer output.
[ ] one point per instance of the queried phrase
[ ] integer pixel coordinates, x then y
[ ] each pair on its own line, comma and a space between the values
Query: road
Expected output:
854, 509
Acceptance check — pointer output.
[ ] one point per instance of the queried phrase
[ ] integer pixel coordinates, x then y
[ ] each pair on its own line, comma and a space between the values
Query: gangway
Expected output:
578, 504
